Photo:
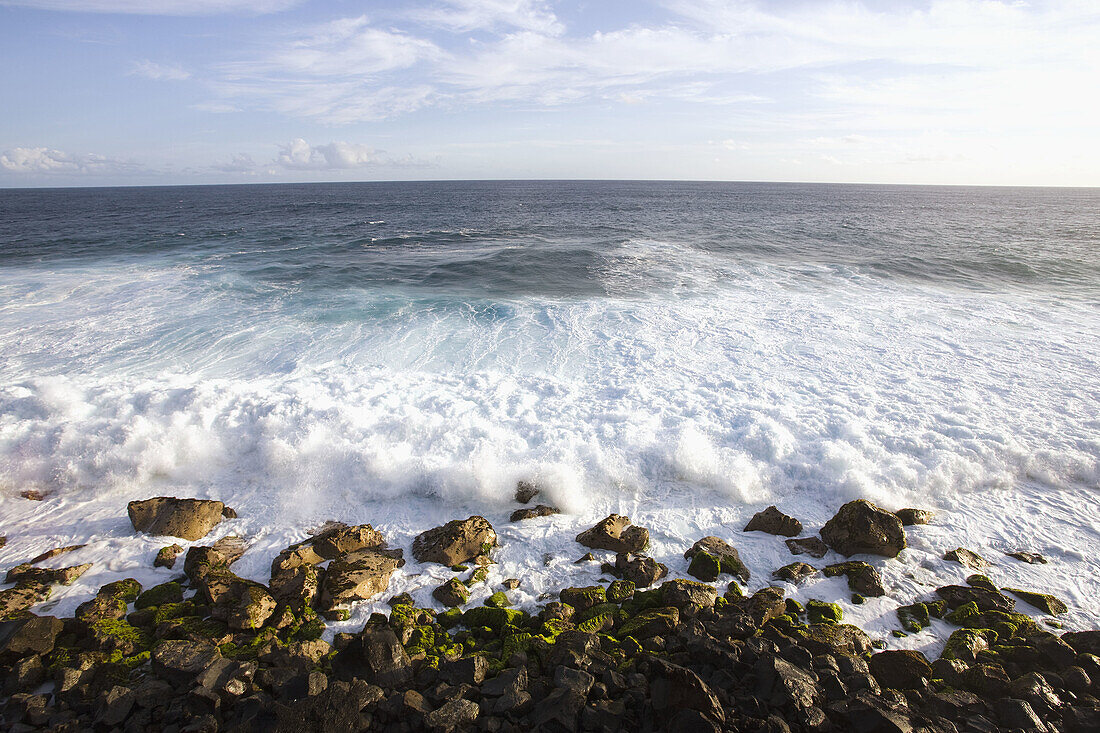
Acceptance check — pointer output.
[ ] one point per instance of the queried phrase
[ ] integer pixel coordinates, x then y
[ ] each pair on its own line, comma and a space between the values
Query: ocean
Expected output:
684, 353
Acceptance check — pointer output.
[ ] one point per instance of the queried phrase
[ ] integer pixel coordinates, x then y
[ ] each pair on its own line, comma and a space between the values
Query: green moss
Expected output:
914, 617
582, 598
422, 640
171, 611
651, 623
794, 607
596, 624
620, 590
858, 599
720, 603
963, 643
460, 568
514, 643
705, 566
899, 634
965, 615
552, 627
498, 600
486, 548
493, 618
308, 627
644, 600
449, 618
936, 609
981, 581
1043, 601
122, 633
630, 646
820, 612
127, 590
160, 594
480, 575
601, 609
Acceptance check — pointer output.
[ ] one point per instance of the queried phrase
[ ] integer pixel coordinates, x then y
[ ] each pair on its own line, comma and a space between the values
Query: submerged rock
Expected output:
1033, 558
711, 556
456, 542
861, 527
862, 577
189, 519
967, 558
615, 533
812, 546
541, 510
773, 521
796, 572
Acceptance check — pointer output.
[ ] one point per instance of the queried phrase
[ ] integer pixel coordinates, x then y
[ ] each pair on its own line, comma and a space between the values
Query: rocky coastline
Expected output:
210, 651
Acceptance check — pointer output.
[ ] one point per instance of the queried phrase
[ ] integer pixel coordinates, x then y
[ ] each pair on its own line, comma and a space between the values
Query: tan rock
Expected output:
189, 519
456, 542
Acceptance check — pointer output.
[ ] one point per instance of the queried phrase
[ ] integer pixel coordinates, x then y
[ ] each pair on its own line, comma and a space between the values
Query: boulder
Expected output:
986, 600
27, 574
452, 593
900, 669
773, 521
641, 570
376, 657
965, 557
297, 587
26, 636
456, 542
782, 684
764, 605
179, 661
861, 527
452, 714
685, 593
1033, 558
1083, 642
358, 576
248, 606
795, 572
862, 577
647, 624
50, 554
189, 519
910, 517
526, 491
339, 539
717, 556
615, 533
1043, 601
582, 599
166, 556
541, 510
673, 688
22, 597
812, 546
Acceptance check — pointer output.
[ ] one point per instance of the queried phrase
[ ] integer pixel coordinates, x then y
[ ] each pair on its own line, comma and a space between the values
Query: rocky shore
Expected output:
210, 650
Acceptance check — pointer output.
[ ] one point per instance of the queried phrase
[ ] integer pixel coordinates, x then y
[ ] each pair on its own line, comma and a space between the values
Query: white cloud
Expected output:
159, 7
49, 160
300, 155
468, 15
241, 163
159, 72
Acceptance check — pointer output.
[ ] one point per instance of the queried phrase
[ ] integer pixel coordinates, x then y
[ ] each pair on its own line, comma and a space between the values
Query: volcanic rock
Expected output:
358, 576
617, 534
910, 517
533, 512
900, 669
641, 570
712, 556
773, 521
861, 527
967, 558
812, 546
456, 542
862, 577
189, 519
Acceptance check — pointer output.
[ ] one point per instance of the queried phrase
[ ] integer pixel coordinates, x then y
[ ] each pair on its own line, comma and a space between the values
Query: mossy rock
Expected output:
515, 643
982, 581
794, 607
126, 589
965, 644
480, 575
897, 634
601, 609
620, 591
966, 615
820, 612
644, 600
308, 626
584, 598
630, 646
651, 623
705, 566
450, 618
1043, 601
498, 600
119, 635
552, 627
787, 626
858, 599
597, 624
493, 618
158, 595
914, 617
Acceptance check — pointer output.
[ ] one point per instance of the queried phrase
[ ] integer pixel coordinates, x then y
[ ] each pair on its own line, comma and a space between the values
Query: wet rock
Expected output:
509, 681
764, 605
911, 516
582, 599
796, 572
820, 612
586, 557
986, 600
180, 661
30, 635
1034, 688
914, 617
862, 577
984, 680
640, 570
526, 491
511, 583
901, 669
452, 593
981, 581
339, 539
838, 639
773, 521
50, 554
453, 714
687, 593
456, 542
297, 587
861, 527
158, 595
33, 495
712, 556
358, 576
674, 688
965, 557
1044, 602
248, 606
617, 534
22, 597
1033, 558
655, 622
189, 519
27, 574
781, 683
812, 546
375, 656
541, 510
166, 556
966, 644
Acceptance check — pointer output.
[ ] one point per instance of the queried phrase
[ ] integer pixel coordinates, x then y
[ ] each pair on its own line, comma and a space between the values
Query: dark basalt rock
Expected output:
687, 593
674, 688
640, 570
456, 542
901, 669
861, 527
986, 600
812, 546
862, 577
166, 556
526, 491
180, 661
374, 656
615, 533
1043, 601
189, 519
452, 593
711, 556
30, 635
773, 521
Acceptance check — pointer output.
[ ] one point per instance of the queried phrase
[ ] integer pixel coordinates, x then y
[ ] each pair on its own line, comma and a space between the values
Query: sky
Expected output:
152, 92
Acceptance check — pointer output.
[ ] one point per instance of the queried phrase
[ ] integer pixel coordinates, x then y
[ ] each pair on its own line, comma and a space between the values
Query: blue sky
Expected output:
104, 92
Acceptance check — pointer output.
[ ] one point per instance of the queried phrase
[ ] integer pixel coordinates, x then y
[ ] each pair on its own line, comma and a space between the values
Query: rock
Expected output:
1029, 557
984, 680
166, 556
22, 597
773, 521
795, 573
640, 570
862, 577
967, 558
541, 510
812, 546
456, 542
986, 600
673, 688
965, 644
248, 606
526, 491
32, 495
617, 534
452, 593
1019, 715
1044, 602
764, 605
466, 671
27, 574
375, 656
981, 581
339, 539
586, 557
910, 517
49, 554
717, 555
838, 639
820, 612
31, 635
180, 661
189, 519
655, 622
686, 593
780, 683
358, 576
509, 681
297, 587
558, 711
914, 617
511, 583
1083, 642
861, 527
1034, 688
582, 599
498, 600
901, 669
620, 591
453, 714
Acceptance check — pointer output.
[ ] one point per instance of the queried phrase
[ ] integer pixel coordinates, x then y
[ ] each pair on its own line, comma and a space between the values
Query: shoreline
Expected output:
640, 650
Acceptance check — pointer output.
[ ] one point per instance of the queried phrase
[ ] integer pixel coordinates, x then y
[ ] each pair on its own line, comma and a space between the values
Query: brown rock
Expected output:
795, 573
526, 491
773, 521
166, 556
1033, 558
541, 510
640, 570
724, 559
189, 519
910, 517
862, 577
358, 576
342, 539
615, 533
684, 593
32, 495
456, 542
22, 597
297, 587
28, 574
861, 527
965, 557
901, 669
49, 554
812, 546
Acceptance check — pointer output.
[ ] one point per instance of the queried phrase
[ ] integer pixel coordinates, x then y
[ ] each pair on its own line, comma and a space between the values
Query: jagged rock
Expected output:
615, 533
861, 527
189, 519
297, 587
641, 570
248, 606
180, 661
685, 593
339, 539
966, 558
509, 681
1034, 688
820, 612
158, 595
914, 617
456, 542
812, 546
526, 491
453, 714
773, 521
1084, 642
30, 635
985, 680
1033, 558
781, 683
655, 622
795, 572
452, 593
764, 605
375, 656
22, 597
981, 581
541, 510
965, 644
910, 517
582, 599
466, 671
673, 688
166, 556
49, 554
27, 574
986, 600
1019, 715
900, 669
862, 577
838, 639
33, 495
712, 556
358, 576
1043, 601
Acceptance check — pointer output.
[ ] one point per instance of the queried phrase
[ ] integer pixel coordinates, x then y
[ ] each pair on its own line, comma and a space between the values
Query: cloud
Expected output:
159, 7
300, 155
50, 161
462, 16
159, 72
241, 163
